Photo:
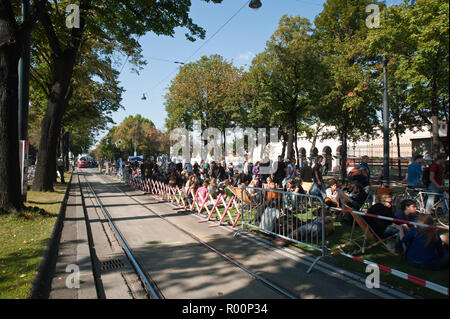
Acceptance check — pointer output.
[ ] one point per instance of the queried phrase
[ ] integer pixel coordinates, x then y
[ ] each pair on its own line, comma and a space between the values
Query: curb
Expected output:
41, 284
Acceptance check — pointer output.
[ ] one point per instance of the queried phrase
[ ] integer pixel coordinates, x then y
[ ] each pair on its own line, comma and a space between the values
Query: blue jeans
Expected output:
442, 263
317, 190
431, 198
389, 231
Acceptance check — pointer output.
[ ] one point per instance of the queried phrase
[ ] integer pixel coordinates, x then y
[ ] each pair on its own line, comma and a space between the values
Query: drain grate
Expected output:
112, 264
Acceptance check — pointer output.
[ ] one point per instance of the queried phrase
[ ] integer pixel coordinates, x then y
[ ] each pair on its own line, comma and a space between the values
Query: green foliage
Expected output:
120, 140
205, 90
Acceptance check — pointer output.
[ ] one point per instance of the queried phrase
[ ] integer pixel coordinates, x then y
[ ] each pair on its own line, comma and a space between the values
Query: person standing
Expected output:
60, 167
364, 167
318, 188
415, 172
280, 173
436, 181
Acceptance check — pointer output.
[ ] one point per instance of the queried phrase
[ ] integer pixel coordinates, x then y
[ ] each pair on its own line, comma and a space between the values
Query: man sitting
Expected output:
383, 228
354, 198
407, 212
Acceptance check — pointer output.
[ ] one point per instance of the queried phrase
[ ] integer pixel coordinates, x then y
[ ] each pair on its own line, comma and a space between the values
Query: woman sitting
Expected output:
424, 248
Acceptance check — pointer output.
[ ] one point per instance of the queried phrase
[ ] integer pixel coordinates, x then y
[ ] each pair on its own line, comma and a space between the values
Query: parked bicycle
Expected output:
439, 209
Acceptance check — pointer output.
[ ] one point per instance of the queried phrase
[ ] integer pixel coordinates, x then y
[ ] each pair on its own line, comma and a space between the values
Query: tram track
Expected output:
150, 285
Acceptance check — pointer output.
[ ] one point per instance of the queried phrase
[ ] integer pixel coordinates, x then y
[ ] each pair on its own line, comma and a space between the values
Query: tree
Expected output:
416, 34
96, 95
352, 97
120, 140
206, 91
112, 23
12, 38
288, 75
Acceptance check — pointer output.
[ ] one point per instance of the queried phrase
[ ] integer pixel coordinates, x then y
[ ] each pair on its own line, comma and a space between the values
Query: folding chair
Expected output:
368, 233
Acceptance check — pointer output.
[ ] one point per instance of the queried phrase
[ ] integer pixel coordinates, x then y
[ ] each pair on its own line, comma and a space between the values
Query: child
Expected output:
424, 247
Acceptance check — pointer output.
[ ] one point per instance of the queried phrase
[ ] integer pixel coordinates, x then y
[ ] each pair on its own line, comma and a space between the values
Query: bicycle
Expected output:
439, 208
408, 193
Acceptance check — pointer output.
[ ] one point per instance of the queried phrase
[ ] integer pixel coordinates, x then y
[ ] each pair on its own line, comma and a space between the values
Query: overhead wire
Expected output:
199, 48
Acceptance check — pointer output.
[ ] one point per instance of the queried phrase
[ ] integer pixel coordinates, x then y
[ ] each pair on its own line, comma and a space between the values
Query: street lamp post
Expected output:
386, 158
23, 99
135, 153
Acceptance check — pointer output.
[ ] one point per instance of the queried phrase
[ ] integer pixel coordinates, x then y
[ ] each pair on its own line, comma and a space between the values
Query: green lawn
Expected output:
23, 239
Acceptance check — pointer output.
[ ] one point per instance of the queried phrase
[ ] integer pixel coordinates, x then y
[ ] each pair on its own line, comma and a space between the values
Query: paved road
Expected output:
180, 265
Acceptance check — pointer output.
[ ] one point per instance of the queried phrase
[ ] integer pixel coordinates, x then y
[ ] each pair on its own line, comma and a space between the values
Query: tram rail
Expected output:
149, 284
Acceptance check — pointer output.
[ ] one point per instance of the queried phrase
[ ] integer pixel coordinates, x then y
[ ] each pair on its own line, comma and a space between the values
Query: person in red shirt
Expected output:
436, 180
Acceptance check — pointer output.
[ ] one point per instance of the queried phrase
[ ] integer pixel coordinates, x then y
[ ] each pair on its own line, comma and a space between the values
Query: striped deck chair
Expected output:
368, 233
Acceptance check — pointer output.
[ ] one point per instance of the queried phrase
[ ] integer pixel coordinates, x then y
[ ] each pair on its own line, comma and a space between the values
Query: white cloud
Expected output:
246, 56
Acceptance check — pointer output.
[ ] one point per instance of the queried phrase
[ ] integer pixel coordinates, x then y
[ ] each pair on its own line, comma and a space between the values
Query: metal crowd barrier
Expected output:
290, 216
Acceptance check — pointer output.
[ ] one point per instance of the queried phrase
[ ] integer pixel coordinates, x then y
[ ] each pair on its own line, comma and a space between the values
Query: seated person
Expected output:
383, 228
290, 185
298, 187
270, 184
355, 199
202, 193
212, 188
252, 192
269, 216
311, 230
332, 193
359, 176
424, 248
407, 211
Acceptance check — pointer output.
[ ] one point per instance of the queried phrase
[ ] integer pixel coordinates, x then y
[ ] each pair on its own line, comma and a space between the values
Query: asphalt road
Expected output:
182, 267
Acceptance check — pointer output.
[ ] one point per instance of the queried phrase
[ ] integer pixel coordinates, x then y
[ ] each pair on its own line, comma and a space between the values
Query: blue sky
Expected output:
243, 37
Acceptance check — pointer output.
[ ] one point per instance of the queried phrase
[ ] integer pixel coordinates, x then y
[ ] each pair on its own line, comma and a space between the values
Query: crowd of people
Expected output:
421, 246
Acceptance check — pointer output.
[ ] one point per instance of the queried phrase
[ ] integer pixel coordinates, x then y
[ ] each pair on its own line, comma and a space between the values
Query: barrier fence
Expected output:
294, 217
290, 216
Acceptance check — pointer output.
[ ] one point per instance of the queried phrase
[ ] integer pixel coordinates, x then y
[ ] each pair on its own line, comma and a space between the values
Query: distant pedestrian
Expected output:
60, 168
415, 172
436, 182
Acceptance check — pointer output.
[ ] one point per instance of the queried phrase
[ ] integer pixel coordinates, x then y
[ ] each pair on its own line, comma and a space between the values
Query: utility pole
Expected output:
24, 97
135, 153
386, 158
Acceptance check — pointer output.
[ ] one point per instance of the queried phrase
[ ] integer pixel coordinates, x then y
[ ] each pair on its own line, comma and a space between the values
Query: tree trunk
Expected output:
436, 143
399, 162
296, 149
290, 143
283, 152
51, 124
10, 189
344, 155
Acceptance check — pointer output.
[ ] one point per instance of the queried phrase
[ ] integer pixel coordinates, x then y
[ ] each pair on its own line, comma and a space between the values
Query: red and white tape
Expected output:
391, 219
421, 282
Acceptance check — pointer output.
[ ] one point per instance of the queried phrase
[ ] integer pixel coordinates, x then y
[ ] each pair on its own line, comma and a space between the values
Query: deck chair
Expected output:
368, 233
242, 197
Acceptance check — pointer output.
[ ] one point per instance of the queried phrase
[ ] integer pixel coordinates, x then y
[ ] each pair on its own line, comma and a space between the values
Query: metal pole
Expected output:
385, 123
23, 98
135, 153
